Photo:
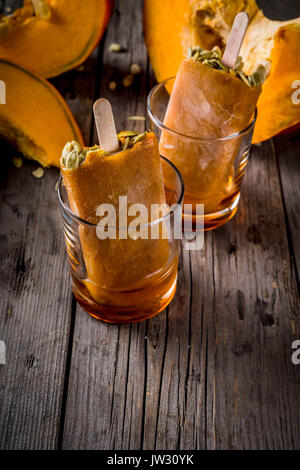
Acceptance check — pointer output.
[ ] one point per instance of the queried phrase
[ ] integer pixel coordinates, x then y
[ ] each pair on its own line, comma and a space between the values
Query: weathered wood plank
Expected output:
35, 308
288, 149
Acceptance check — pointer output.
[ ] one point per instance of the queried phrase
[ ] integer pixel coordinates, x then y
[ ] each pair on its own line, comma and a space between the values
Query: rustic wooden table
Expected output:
214, 369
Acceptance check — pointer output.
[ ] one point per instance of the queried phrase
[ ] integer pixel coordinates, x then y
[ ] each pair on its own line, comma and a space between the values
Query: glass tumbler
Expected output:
131, 276
212, 168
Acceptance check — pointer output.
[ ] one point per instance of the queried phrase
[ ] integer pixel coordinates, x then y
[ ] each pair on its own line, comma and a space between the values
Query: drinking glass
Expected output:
212, 168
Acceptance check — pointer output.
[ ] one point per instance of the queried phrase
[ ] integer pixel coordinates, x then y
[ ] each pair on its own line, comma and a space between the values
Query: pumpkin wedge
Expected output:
35, 118
172, 26
279, 46
53, 36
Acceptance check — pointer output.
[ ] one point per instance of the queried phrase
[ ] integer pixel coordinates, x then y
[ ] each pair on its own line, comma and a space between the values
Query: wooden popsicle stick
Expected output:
105, 124
235, 39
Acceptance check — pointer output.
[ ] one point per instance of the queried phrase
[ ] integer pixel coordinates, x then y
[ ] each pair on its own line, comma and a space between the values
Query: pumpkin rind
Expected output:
51, 47
35, 118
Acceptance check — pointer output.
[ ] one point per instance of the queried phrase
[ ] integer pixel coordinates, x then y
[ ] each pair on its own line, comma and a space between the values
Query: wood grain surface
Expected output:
214, 370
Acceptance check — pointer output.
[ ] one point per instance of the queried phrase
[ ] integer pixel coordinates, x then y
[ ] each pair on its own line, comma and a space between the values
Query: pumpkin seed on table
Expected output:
128, 80
135, 69
112, 85
136, 118
17, 162
38, 172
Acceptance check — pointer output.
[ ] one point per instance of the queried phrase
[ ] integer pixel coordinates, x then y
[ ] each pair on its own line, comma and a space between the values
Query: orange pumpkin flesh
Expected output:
173, 25
53, 46
276, 109
35, 118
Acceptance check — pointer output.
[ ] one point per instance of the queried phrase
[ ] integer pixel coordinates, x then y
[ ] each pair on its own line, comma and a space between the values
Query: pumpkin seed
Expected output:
138, 137
131, 138
213, 59
41, 9
135, 69
112, 86
115, 47
72, 160
243, 77
239, 63
259, 76
128, 80
38, 172
73, 145
217, 51
126, 143
136, 118
206, 54
127, 134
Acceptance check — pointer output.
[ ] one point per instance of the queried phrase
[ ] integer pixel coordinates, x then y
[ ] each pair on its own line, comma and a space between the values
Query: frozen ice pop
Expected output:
208, 100
93, 177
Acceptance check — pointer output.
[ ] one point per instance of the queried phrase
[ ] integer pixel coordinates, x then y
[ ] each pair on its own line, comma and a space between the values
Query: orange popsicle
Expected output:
98, 178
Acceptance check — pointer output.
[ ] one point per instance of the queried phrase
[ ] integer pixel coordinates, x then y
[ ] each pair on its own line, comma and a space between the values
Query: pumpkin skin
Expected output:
173, 25
60, 43
35, 119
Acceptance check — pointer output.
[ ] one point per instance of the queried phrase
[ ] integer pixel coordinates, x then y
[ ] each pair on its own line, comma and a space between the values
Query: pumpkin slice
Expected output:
276, 42
53, 36
35, 118
172, 26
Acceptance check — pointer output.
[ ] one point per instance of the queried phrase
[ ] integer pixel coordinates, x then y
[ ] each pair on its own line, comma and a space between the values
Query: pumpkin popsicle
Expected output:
93, 177
209, 100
